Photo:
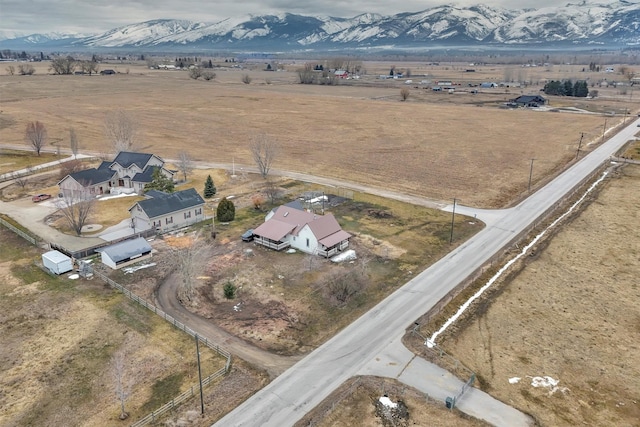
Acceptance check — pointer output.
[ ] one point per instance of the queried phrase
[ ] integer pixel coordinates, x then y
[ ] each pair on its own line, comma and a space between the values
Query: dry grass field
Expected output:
571, 314
436, 145
58, 341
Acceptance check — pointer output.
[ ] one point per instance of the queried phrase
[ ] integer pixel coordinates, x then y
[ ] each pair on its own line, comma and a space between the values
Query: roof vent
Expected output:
286, 213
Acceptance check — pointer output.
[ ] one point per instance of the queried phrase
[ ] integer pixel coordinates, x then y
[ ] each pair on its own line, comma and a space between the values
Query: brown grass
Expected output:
58, 337
571, 314
362, 133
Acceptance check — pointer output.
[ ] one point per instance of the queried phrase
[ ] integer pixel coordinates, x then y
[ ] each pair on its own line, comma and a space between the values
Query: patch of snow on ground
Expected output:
116, 196
514, 380
543, 382
74, 276
129, 270
291, 251
387, 402
236, 307
345, 256
431, 341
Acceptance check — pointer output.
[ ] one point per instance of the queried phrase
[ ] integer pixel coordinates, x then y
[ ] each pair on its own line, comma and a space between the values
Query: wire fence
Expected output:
154, 415
26, 236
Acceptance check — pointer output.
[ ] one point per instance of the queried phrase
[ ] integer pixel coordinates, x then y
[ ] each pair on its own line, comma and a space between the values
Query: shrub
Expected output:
226, 210
229, 290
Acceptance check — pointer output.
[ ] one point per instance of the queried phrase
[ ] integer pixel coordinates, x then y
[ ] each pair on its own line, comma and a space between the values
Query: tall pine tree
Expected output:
160, 182
209, 188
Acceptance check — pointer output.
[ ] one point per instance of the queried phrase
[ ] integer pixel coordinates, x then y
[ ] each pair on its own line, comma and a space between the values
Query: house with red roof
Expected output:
288, 226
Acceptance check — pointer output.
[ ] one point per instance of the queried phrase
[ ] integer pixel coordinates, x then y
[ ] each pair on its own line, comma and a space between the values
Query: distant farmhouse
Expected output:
291, 226
529, 101
127, 173
165, 212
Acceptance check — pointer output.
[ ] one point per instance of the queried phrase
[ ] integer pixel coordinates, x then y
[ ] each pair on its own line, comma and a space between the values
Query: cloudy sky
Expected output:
95, 16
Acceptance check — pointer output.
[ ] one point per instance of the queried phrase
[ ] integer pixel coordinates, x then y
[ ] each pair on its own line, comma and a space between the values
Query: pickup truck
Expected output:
40, 197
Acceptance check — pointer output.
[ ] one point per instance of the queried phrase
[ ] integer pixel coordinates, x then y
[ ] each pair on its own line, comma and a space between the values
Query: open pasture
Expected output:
436, 145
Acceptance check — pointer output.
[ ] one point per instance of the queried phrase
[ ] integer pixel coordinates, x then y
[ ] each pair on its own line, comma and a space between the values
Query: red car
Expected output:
40, 197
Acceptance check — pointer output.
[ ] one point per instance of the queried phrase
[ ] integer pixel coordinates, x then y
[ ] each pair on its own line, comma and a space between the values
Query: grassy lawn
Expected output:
13, 160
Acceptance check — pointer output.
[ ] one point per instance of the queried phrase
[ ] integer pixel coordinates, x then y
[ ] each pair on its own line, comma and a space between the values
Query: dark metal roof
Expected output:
162, 205
125, 250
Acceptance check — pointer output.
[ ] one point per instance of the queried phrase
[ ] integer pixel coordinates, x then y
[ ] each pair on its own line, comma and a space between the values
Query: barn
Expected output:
124, 253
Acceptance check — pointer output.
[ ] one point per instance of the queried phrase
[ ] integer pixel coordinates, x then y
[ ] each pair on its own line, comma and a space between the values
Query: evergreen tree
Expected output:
580, 89
568, 88
226, 210
209, 188
160, 182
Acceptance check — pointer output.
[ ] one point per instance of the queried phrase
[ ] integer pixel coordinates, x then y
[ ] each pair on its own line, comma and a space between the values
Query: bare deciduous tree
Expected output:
195, 72
208, 75
36, 136
76, 208
185, 164
11, 70
246, 79
404, 93
89, 67
121, 387
264, 150
63, 65
189, 262
121, 130
26, 70
73, 142
272, 191
21, 180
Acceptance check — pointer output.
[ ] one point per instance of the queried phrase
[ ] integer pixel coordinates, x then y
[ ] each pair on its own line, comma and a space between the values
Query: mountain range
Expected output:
584, 25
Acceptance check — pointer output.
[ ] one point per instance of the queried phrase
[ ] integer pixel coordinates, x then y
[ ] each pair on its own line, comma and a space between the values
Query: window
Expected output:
187, 215
199, 211
169, 220
307, 242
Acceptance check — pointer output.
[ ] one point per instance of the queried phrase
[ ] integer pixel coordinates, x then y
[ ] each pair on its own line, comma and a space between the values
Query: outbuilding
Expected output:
125, 253
57, 262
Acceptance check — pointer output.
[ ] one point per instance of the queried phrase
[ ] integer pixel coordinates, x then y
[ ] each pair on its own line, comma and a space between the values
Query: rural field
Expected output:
567, 301
569, 312
436, 145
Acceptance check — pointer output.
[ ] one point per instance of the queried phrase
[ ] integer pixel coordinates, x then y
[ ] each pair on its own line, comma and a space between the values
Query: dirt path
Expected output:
167, 300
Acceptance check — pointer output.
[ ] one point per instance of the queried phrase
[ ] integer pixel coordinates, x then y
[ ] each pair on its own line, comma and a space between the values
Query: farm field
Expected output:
434, 145
571, 314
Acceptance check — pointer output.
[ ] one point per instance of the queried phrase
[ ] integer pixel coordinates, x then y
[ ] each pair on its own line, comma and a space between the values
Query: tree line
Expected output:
578, 89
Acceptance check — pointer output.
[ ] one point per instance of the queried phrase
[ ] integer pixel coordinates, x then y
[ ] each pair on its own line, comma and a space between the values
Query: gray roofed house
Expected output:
125, 253
165, 212
529, 100
130, 172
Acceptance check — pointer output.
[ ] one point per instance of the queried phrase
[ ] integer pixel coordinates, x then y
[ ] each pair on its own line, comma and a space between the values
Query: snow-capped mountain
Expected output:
586, 23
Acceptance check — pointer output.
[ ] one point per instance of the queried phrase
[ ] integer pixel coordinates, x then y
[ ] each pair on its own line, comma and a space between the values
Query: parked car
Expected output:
247, 236
40, 197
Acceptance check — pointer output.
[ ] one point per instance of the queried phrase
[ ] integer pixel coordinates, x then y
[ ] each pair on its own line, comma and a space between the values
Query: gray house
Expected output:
164, 212
128, 173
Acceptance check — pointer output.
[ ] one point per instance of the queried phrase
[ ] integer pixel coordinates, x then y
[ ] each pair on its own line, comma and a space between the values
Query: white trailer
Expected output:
57, 262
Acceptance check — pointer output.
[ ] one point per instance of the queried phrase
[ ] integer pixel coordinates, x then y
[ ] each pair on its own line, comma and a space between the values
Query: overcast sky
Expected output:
96, 16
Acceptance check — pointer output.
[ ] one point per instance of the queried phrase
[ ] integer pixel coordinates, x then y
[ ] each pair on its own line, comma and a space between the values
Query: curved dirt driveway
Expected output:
167, 300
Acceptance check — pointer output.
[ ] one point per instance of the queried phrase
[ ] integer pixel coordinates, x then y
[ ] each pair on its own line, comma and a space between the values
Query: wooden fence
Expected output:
205, 381
26, 236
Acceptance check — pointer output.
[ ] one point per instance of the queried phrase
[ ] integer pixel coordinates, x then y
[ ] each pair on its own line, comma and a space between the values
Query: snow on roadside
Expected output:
431, 342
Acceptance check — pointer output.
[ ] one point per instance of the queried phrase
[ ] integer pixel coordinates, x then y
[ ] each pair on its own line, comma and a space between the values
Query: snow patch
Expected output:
347, 255
74, 276
388, 402
431, 341
543, 382
514, 380
129, 270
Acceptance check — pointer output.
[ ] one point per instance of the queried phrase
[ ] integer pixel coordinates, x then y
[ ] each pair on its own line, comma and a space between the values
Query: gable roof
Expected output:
525, 99
163, 205
126, 159
146, 175
328, 231
127, 249
91, 176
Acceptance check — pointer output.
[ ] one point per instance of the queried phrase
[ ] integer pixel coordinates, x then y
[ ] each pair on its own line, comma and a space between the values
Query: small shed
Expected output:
125, 253
57, 262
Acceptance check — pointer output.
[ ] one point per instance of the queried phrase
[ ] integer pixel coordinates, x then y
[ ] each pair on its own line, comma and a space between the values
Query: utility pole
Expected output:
604, 129
200, 376
453, 217
530, 174
579, 144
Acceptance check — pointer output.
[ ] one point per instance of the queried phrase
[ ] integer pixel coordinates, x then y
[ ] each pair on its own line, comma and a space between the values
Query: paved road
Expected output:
290, 396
